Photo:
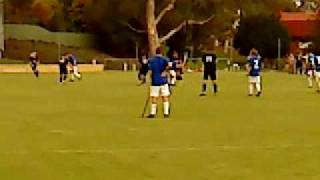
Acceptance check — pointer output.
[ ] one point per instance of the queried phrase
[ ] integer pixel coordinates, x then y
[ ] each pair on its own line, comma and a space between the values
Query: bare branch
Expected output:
184, 23
195, 22
135, 29
169, 7
173, 32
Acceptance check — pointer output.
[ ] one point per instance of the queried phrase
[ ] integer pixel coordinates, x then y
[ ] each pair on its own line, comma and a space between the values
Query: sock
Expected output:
251, 88
166, 108
215, 88
153, 109
258, 86
36, 73
310, 81
204, 88
61, 79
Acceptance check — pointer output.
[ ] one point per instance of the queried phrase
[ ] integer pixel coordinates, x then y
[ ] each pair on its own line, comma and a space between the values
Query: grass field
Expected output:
92, 131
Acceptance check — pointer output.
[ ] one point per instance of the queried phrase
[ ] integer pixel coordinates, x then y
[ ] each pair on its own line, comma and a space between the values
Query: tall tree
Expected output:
1, 29
153, 21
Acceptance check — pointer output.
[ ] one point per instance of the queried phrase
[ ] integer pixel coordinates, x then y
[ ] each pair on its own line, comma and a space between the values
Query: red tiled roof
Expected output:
298, 16
300, 24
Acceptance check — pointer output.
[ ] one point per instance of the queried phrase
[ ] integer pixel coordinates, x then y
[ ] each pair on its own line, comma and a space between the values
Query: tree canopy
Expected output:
115, 20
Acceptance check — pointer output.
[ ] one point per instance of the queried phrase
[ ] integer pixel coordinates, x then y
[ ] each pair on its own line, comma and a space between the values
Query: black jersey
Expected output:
209, 62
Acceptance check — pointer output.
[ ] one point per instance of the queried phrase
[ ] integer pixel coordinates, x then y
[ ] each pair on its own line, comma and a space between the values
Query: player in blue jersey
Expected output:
173, 65
158, 68
210, 67
254, 67
310, 69
74, 71
317, 71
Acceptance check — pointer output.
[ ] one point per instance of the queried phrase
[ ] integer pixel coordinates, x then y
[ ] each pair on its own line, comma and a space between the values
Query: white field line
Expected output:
171, 149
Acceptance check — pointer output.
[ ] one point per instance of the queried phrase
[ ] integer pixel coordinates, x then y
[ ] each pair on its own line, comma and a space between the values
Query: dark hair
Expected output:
158, 50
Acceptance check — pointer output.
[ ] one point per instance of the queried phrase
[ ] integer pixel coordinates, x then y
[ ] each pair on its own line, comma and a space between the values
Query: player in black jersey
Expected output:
63, 69
210, 72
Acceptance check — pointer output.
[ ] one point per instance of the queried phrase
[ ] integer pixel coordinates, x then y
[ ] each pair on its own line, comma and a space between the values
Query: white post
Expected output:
279, 49
1, 28
59, 47
137, 51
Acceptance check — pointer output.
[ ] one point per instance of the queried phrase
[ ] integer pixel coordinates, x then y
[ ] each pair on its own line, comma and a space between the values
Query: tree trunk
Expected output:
153, 35
1, 29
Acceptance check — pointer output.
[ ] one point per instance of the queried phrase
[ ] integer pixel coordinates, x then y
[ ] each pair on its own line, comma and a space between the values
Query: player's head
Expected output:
254, 52
175, 54
158, 51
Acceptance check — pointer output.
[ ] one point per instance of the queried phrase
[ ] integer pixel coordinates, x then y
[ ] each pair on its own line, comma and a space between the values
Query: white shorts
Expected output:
310, 72
163, 91
255, 79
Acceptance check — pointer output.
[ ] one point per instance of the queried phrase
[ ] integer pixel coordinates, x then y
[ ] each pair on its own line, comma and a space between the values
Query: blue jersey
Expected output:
158, 65
73, 60
254, 63
317, 63
311, 61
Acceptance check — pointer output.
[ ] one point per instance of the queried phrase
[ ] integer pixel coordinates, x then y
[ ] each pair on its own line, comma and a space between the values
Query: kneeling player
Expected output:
63, 62
254, 70
34, 62
210, 67
158, 67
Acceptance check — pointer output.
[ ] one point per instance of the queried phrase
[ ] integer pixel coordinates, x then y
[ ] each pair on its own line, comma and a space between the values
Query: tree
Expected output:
262, 32
1, 29
152, 24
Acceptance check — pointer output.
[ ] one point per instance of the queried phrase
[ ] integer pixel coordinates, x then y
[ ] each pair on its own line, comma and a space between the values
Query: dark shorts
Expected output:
210, 75
63, 70
34, 66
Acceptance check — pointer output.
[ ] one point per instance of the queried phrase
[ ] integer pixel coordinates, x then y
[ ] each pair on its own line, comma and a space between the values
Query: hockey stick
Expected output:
145, 107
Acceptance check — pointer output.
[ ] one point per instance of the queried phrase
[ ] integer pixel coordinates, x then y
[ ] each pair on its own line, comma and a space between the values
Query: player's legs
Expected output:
165, 94
204, 83
310, 78
258, 85
173, 77
154, 94
251, 85
35, 70
213, 77
317, 74
76, 72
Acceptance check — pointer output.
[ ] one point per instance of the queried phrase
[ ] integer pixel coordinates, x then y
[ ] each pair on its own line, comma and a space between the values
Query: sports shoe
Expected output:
259, 94
203, 94
166, 116
151, 116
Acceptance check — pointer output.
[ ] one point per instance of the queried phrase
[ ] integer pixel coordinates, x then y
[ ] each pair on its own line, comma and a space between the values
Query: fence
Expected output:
36, 33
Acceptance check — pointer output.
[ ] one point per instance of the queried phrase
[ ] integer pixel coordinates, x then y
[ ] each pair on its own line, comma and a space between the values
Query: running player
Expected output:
158, 67
254, 69
210, 67
34, 62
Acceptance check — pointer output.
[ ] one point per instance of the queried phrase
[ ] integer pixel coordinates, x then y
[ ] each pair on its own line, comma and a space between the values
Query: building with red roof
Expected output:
302, 26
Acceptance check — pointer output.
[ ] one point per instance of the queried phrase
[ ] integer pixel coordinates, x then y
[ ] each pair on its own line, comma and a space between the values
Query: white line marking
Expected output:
170, 149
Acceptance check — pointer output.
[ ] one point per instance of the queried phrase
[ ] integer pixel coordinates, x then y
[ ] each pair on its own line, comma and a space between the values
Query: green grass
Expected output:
92, 130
